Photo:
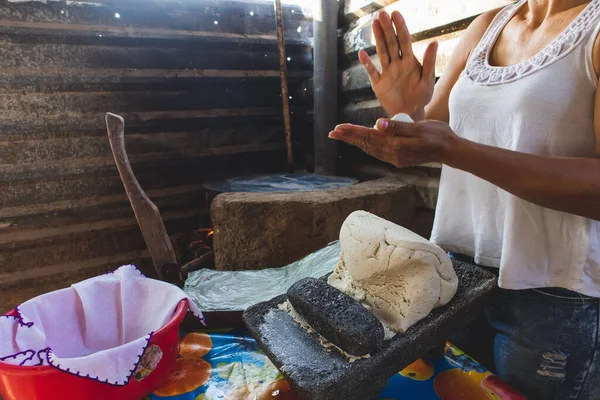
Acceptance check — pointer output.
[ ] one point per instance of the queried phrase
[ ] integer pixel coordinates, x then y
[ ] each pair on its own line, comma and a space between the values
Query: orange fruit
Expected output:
189, 374
420, 370
455, 384
195, 345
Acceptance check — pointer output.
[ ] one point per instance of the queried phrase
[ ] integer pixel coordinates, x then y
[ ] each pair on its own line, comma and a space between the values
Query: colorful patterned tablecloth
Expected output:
228, 365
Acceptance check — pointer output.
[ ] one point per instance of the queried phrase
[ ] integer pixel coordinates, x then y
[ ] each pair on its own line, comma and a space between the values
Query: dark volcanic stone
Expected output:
336, 316
317, 374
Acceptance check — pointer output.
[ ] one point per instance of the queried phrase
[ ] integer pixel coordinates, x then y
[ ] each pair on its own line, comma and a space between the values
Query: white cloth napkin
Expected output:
98, 328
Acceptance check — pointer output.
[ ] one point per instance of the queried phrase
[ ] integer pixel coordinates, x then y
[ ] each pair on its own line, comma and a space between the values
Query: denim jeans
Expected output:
543, 342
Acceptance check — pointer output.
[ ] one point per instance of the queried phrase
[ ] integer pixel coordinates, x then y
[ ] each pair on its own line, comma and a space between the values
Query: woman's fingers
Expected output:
429, 61
402, 34
359, 136
365, 60
372, 141
386, 130
380, 44
397, 128
391, 39
355, 135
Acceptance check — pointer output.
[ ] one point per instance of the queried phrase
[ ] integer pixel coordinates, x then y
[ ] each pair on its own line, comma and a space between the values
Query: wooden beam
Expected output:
285, 93
355, 81
355, 9
447, 44
438, 32
420, 16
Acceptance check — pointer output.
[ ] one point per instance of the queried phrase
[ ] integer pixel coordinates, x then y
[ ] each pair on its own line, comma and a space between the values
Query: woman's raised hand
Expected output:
403, 85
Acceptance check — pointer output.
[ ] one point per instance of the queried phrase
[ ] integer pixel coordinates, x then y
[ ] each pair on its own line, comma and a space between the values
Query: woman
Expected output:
515, 119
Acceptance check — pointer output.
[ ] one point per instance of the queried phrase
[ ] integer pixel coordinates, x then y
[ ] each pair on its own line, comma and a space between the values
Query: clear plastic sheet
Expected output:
238, 290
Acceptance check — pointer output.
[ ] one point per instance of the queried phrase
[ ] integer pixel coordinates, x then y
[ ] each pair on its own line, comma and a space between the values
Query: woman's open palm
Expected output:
403, 85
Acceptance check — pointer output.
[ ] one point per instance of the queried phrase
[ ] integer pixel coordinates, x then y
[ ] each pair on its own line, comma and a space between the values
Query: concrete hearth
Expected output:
269, 230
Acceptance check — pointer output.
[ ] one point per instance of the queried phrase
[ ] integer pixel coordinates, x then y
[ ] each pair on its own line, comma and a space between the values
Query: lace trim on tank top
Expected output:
479, 70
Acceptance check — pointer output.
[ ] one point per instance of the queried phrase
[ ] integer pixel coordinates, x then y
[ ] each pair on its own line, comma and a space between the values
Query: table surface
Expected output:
227, 364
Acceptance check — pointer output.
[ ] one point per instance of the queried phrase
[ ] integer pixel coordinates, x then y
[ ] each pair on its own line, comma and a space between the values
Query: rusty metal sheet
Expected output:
200, 99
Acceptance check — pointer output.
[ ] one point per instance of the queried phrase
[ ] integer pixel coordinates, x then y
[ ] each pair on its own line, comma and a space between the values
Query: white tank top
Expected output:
543, 106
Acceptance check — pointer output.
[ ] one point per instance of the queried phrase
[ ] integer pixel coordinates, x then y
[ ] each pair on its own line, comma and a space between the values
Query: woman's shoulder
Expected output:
480, 25
472, 36
485, 19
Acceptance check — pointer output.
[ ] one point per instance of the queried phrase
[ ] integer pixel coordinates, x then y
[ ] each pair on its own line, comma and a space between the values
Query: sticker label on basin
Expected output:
148, 363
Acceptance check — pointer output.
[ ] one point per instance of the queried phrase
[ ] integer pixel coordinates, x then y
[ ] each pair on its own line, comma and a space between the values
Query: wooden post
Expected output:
285, 94
325, 84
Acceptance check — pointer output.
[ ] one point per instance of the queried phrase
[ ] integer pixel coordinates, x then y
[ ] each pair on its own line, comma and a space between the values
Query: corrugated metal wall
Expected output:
427, 20
198, 85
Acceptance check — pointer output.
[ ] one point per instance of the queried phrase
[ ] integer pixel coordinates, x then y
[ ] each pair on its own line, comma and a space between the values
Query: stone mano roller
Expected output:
336, 316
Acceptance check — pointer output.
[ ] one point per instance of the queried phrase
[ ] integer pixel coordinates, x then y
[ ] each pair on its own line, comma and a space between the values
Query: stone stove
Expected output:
270, 230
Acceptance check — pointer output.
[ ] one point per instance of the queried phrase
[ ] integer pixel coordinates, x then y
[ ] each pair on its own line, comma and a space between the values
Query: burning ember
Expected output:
194, 249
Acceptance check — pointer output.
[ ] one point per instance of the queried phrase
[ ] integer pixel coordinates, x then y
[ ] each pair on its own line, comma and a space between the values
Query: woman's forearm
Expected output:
565, 184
